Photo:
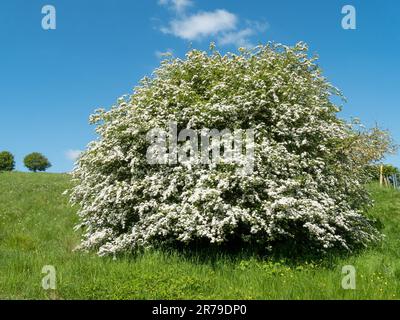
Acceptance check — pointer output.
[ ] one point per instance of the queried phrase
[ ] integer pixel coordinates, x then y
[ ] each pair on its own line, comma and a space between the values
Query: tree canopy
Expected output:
36, 162
306, 185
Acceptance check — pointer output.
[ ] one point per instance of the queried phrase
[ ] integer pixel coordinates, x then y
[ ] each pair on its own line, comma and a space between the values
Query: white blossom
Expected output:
301, 187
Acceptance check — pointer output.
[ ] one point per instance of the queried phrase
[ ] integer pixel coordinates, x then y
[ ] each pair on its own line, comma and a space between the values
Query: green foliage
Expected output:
373, 171
36, 224
306, 189
36, 162
368, 146
7, 162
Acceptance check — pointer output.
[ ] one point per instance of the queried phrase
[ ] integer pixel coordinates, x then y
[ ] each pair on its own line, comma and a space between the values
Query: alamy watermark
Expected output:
49, 280
349, 280
206, 146
349, 21
49, 21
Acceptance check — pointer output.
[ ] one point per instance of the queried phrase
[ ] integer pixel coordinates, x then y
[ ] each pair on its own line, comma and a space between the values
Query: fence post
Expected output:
395, 181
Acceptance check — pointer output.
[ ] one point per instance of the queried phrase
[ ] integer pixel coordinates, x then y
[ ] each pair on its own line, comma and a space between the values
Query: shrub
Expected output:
36, 162
7, 162
306, 188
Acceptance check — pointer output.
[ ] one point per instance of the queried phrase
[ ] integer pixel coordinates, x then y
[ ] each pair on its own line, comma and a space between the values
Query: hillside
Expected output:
36, 229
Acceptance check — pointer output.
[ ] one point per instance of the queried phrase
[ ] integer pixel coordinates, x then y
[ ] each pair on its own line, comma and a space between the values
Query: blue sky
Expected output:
52, 80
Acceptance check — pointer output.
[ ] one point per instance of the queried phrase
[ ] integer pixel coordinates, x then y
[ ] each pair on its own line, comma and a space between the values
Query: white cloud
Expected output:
202, 24
162, 54
237, 38
259, 26
73, 155
178, 6
240, 38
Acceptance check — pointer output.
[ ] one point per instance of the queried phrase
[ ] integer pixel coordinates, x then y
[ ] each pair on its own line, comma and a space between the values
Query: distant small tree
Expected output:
36, 162
374, 171
7, 162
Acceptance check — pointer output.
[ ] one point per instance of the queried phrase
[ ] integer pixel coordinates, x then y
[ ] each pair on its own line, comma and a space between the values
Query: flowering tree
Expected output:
7, 162
36, 162
305, 187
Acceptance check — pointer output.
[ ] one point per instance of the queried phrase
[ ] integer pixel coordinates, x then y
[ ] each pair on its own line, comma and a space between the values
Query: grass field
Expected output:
36, 229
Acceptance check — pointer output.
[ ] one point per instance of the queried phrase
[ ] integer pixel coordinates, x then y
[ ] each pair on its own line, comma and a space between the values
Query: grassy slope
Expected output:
36, 230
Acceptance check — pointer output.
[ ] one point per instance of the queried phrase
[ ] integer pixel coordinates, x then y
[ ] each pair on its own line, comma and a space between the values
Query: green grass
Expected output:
36, 229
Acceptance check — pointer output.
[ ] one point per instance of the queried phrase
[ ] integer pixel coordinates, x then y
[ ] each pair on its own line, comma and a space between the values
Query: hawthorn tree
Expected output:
306, 189
7, 162
36, 162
